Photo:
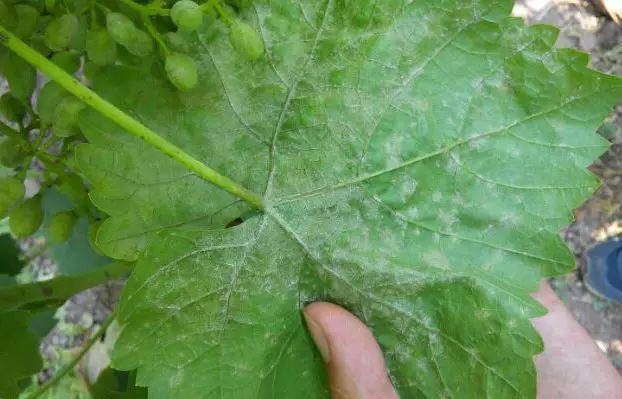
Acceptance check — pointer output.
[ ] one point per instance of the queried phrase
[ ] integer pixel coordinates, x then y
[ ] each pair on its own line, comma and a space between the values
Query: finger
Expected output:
356, 368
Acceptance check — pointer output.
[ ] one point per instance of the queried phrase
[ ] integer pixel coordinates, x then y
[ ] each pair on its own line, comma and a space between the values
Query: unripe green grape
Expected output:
120, 27
73, 188
20, 75
61, 226
27, 20
92, 234
11, 193
187, 15
49, 97
66, 117
67, 60
91, 70
50, 5
181, 71
245, 40
62, 32
12, 153
8, 15
101, 47
11, 108
26, 219
141, 43
177, 42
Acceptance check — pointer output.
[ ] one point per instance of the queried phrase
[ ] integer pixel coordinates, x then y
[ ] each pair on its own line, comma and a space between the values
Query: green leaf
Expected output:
19, 352
417, 159
114, 384
11, 262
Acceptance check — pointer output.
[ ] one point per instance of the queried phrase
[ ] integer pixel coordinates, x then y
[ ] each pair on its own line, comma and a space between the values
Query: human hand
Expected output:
354, 361
571, 367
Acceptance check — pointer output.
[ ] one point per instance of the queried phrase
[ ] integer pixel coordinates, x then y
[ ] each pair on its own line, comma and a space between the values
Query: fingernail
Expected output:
318, 337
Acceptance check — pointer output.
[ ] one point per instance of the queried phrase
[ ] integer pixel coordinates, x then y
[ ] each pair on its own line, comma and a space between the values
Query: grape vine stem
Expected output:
69, 366
129, 124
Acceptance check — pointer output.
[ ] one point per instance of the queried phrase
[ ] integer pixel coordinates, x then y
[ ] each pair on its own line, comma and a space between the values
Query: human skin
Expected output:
571, 366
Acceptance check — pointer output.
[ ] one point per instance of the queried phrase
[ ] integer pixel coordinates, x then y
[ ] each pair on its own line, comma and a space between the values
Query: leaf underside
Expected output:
418, 159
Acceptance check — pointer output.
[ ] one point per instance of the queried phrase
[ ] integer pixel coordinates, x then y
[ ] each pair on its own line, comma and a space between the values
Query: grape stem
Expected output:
222, 13
129, 124
69, 366
155, 34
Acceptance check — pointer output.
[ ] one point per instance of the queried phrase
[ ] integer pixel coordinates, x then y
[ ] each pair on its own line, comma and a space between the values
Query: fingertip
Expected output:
355, 363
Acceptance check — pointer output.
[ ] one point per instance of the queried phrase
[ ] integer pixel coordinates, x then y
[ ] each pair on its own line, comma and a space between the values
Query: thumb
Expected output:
356, 368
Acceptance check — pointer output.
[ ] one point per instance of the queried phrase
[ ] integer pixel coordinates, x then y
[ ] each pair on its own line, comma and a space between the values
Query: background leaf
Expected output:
75, 255
417, 159
19, 352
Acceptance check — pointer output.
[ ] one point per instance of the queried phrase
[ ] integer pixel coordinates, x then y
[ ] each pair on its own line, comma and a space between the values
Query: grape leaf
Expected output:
418, 159
19, 352
11, 263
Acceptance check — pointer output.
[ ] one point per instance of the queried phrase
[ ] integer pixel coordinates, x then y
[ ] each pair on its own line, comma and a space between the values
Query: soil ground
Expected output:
600, 218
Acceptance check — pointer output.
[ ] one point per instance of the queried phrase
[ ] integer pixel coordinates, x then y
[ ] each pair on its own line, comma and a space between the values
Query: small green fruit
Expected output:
27, 20
61, 226
26, 219
49, 97
120, 27
11, 108
12, 153
73, 188
8, 15
101, 47
177, 42
92, 234
67, 60
246, 40
66, 117
187, 15
141, 44
62, 32
11, 193
181, 71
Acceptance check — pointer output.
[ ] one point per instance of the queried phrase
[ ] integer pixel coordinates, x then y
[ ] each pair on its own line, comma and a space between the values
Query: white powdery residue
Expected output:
448, 218
393, 148
482, 314
412, 212
477, 84
510, 219
452, 165
436, 259
409, 186
477, 143
458, 200
437, 238
437, 196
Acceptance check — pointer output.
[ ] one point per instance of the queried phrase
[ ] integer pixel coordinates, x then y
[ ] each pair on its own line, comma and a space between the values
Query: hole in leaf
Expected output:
235, 222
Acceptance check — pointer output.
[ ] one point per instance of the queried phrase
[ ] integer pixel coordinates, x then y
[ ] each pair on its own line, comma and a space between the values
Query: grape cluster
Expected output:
82, 37
102, 33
